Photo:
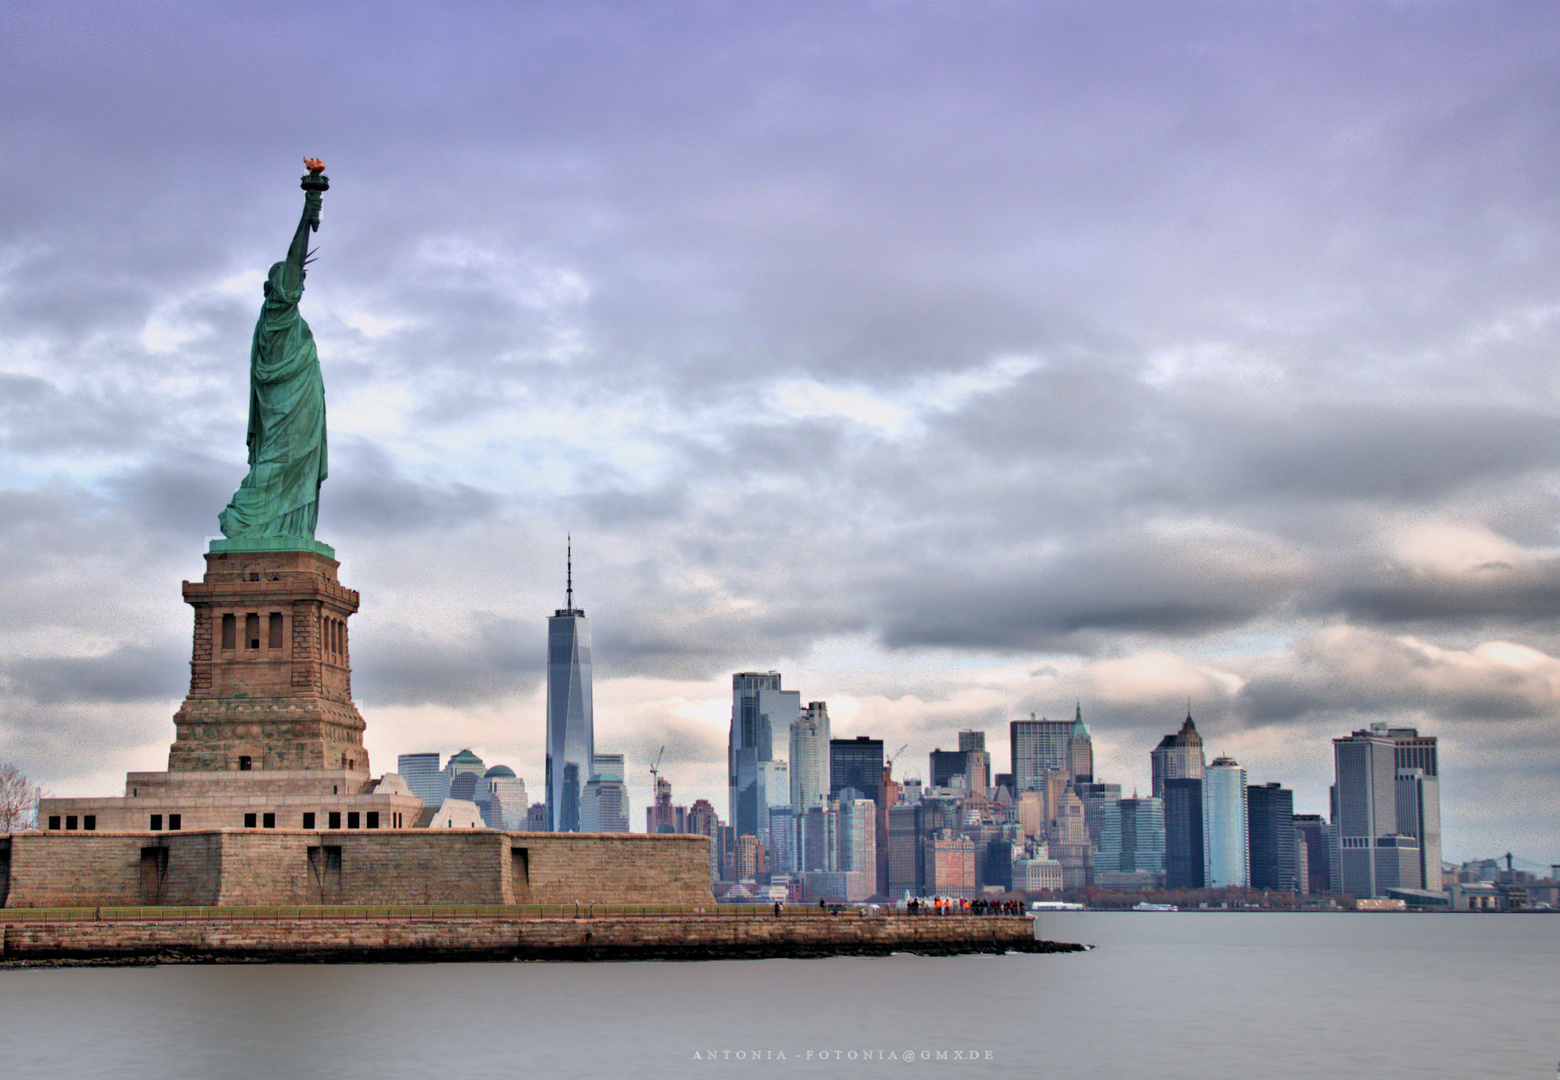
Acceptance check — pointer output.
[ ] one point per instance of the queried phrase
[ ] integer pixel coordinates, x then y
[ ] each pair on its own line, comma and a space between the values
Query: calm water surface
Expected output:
1163, 995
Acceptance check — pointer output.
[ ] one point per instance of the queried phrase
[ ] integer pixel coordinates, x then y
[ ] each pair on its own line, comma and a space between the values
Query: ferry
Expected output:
1146, 906
1054, 905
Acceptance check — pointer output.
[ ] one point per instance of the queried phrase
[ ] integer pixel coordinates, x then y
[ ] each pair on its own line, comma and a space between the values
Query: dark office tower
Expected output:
1419, 798
1419, 816
1314, 835
758, 709
1038, 746
1183, 809
856, 763
1080, 749
571, 735
1177, 757
943, 766
906, 865
947, 767
972, 740
1374, 850
1270, 817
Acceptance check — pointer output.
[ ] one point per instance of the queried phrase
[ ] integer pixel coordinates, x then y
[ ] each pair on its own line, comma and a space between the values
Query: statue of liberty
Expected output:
279, 499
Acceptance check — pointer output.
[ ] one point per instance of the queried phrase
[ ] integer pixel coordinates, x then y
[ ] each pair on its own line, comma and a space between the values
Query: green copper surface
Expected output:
273, 543
279, 498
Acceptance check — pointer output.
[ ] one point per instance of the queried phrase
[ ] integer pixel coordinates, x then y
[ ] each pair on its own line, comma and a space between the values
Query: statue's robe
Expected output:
287, 460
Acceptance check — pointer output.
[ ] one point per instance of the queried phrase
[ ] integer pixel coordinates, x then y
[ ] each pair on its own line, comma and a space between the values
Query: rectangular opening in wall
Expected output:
252, 631
89, 822
325, 870
154, 870
308, 819
174, 821
245, 763
268, 821
156, 823
335, 819
275, 630
520, 874
249, 821
70, 821
373, 819
54, 821
229, 633
354, 819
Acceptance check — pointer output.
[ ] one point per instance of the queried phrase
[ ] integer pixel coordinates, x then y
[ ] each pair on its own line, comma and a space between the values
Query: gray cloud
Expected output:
374, 495
1494, 592
130, 673
437, 664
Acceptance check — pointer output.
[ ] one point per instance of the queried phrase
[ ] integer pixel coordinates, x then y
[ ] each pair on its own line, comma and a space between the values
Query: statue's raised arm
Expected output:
314, 183
278, 502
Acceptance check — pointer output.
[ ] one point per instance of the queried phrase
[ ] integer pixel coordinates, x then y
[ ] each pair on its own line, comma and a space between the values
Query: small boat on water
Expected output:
1146, 906
1054, 905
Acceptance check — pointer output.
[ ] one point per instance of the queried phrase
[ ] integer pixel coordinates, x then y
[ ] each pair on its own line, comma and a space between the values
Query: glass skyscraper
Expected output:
570, 724
421, 773
1226, 856
810, 759
1131, 836
604, 807
758, 707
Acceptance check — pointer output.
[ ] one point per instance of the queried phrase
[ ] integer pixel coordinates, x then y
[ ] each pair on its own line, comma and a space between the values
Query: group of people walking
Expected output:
937, 905
946, 905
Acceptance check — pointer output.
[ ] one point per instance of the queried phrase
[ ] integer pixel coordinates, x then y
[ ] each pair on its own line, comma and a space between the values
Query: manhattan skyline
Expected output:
959, 363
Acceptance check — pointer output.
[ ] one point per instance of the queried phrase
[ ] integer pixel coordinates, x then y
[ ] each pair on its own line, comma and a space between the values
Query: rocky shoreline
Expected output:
445, 939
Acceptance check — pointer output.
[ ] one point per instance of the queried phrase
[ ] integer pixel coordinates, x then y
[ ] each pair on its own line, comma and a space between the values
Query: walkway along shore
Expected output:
401, 938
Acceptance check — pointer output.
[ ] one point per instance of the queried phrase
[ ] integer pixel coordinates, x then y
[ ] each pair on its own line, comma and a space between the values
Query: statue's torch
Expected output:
315, 180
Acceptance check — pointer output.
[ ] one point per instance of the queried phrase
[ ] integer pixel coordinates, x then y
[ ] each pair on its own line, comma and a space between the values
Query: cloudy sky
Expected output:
959, 361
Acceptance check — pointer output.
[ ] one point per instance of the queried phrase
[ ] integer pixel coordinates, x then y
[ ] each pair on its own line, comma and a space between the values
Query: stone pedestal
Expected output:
270, 678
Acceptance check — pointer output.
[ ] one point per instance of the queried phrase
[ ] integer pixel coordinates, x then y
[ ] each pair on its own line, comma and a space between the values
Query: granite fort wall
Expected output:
716, 936
241, 867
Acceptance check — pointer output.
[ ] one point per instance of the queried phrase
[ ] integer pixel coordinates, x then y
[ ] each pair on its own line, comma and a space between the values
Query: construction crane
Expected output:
655, 819
888, 762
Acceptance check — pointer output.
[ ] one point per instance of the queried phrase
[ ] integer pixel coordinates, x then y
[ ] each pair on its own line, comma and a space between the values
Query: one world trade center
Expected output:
570, 729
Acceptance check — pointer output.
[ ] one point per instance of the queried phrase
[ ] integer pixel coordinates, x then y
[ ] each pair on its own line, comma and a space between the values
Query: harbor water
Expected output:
1166, 995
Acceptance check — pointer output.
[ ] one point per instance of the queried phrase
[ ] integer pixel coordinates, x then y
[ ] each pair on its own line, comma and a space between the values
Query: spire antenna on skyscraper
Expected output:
571, 736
